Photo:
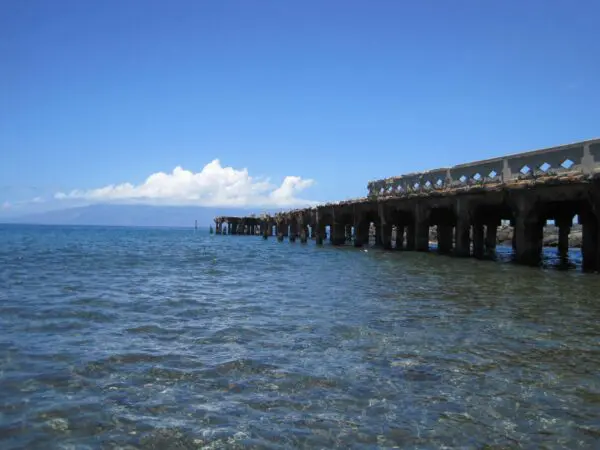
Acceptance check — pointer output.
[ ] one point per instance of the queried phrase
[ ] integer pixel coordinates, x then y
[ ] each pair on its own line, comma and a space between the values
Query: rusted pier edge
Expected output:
466, 203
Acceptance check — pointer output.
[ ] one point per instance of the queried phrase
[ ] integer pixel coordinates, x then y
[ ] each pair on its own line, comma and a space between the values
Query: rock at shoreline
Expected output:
505, 235
575, 239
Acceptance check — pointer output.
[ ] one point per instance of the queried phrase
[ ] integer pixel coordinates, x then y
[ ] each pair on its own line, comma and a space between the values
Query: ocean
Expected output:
140, 338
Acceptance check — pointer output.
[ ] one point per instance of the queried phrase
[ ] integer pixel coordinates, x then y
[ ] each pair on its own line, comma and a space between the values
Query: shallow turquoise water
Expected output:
142, 338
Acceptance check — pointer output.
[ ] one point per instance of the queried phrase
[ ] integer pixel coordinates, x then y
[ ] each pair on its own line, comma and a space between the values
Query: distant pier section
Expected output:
464, 204
238, 225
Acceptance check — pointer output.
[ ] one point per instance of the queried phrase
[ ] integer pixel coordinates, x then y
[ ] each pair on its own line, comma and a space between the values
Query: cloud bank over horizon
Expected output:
214, 185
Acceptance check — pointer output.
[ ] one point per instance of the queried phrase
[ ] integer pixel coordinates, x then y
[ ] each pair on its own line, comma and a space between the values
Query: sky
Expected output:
277, 103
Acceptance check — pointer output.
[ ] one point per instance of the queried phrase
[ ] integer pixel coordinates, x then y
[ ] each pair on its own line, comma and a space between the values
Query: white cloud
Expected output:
214, 185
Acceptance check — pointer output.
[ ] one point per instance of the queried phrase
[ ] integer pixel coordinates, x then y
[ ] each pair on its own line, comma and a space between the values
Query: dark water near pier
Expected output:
158, 339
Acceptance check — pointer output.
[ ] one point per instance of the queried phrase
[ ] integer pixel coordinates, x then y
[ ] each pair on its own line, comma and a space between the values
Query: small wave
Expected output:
83, 314
165, 339
115, 363
243, 366
148, 329
56, 326
233, 334
93, 302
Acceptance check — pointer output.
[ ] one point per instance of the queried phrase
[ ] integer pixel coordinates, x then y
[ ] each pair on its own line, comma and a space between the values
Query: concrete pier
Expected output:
464, 204
250, 226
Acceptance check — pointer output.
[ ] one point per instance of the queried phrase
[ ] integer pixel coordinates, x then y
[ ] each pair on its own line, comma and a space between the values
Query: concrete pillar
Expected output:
293, 231
361, 233
383, 231
528, 239
422, 236
563, 242
478, 240
320, 234
462, 236
491, 237
564, 228
591, 242
411, 236
338, 234
445, 236
400, 237
421, 230
303, 234
233, 227
375, 233
386, 236
281, 230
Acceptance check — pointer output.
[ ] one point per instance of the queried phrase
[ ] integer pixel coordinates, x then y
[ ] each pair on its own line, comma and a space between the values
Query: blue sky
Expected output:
334, 93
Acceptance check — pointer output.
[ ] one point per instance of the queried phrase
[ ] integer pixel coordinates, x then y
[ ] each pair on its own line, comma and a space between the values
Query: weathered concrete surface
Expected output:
468, 206
239, 225
565, 161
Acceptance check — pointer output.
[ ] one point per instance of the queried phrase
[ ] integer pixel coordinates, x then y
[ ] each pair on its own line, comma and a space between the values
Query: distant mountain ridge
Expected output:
132, 215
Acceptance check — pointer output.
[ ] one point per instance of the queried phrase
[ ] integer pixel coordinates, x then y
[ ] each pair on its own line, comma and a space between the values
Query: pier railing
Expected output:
582, 158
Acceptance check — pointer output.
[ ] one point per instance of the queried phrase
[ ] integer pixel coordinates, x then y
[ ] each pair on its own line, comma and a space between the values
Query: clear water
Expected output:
159, 339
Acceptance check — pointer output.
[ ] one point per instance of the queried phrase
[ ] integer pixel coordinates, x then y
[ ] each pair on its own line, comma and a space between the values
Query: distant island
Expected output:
128, 215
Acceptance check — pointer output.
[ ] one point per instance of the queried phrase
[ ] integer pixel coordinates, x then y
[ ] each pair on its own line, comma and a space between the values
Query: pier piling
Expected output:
464, 205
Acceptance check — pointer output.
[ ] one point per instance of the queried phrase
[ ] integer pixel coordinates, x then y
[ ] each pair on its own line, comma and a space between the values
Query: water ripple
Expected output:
160, 339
